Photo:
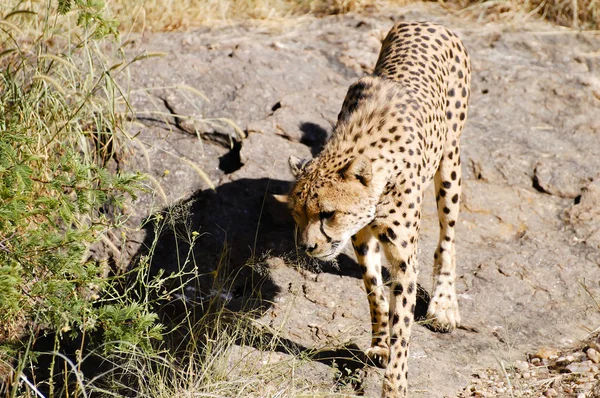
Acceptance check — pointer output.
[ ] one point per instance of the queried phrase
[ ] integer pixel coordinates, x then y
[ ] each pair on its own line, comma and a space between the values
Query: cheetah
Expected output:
398, 129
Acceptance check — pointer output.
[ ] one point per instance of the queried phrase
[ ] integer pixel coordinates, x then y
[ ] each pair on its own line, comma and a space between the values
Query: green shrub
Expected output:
61, 125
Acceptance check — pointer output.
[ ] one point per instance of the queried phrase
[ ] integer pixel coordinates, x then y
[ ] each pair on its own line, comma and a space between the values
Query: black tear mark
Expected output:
361, 179
327, 237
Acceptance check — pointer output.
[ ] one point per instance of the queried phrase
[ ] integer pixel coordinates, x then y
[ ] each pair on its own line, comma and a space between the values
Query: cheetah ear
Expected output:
283, 199
297, 165
359, 168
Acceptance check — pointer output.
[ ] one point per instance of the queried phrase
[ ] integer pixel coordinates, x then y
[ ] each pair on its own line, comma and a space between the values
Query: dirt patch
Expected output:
546, 372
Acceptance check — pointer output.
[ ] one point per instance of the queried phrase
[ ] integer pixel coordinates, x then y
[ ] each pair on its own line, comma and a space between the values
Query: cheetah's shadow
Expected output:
238, 225
222, 267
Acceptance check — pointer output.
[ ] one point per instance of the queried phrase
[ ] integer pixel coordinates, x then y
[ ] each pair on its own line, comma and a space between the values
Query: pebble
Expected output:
581, 367
275, 262
418, 353
521, 366
564, 360
546, 353
593, 355
582, 381
578, 356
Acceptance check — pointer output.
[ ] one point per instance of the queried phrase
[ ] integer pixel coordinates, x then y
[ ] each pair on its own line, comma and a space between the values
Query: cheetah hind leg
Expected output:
367, 251
443, 308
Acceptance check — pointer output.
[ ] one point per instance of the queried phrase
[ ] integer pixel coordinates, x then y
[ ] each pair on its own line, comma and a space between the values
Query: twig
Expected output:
508, 383
30, 385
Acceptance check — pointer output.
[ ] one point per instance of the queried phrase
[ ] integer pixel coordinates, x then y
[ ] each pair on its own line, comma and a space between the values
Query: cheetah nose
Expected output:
309, 249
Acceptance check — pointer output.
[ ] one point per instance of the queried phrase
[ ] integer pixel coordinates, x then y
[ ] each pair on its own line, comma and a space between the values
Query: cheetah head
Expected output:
329, 206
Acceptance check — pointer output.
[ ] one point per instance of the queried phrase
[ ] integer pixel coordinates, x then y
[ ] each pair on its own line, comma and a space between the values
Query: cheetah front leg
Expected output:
399, 240
403, 297
443, 308
368, 254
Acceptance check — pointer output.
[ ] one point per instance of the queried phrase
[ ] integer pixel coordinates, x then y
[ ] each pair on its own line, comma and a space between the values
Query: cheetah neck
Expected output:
374, 130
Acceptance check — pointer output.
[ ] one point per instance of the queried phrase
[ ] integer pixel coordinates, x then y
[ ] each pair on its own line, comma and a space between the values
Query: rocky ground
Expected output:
226, 107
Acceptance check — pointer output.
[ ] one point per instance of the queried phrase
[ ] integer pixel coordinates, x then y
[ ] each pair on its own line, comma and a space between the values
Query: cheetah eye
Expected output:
326, 215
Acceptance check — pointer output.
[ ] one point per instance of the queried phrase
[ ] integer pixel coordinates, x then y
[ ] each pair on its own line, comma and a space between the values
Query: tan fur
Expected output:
398, 130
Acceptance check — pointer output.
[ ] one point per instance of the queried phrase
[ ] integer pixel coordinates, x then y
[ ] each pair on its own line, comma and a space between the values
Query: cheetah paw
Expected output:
378, 356
443, 311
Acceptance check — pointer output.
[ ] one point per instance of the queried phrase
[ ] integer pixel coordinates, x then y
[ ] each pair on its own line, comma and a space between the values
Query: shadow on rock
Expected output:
344, 265
313, 136
221, 239
217, 244
349, 360
213, 246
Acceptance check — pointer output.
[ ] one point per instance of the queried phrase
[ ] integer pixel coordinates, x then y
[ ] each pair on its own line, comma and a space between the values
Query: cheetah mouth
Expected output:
326, 256
329, 255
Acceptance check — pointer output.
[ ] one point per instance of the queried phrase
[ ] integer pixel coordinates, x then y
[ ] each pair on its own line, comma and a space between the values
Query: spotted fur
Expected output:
398, 130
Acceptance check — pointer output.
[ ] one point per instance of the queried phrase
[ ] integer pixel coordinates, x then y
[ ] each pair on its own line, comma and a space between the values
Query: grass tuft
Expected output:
183, 15
577, 14
155, 15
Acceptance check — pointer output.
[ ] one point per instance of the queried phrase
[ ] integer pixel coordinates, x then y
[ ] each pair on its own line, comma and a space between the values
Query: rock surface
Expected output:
227, 106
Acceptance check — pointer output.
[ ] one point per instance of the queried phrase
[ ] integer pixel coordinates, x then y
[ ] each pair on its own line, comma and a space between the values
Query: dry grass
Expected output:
174, 15
577, 14
583, 14
178, 15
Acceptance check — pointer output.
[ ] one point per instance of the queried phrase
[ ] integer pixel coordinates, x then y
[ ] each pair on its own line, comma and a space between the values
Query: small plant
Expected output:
61, 115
